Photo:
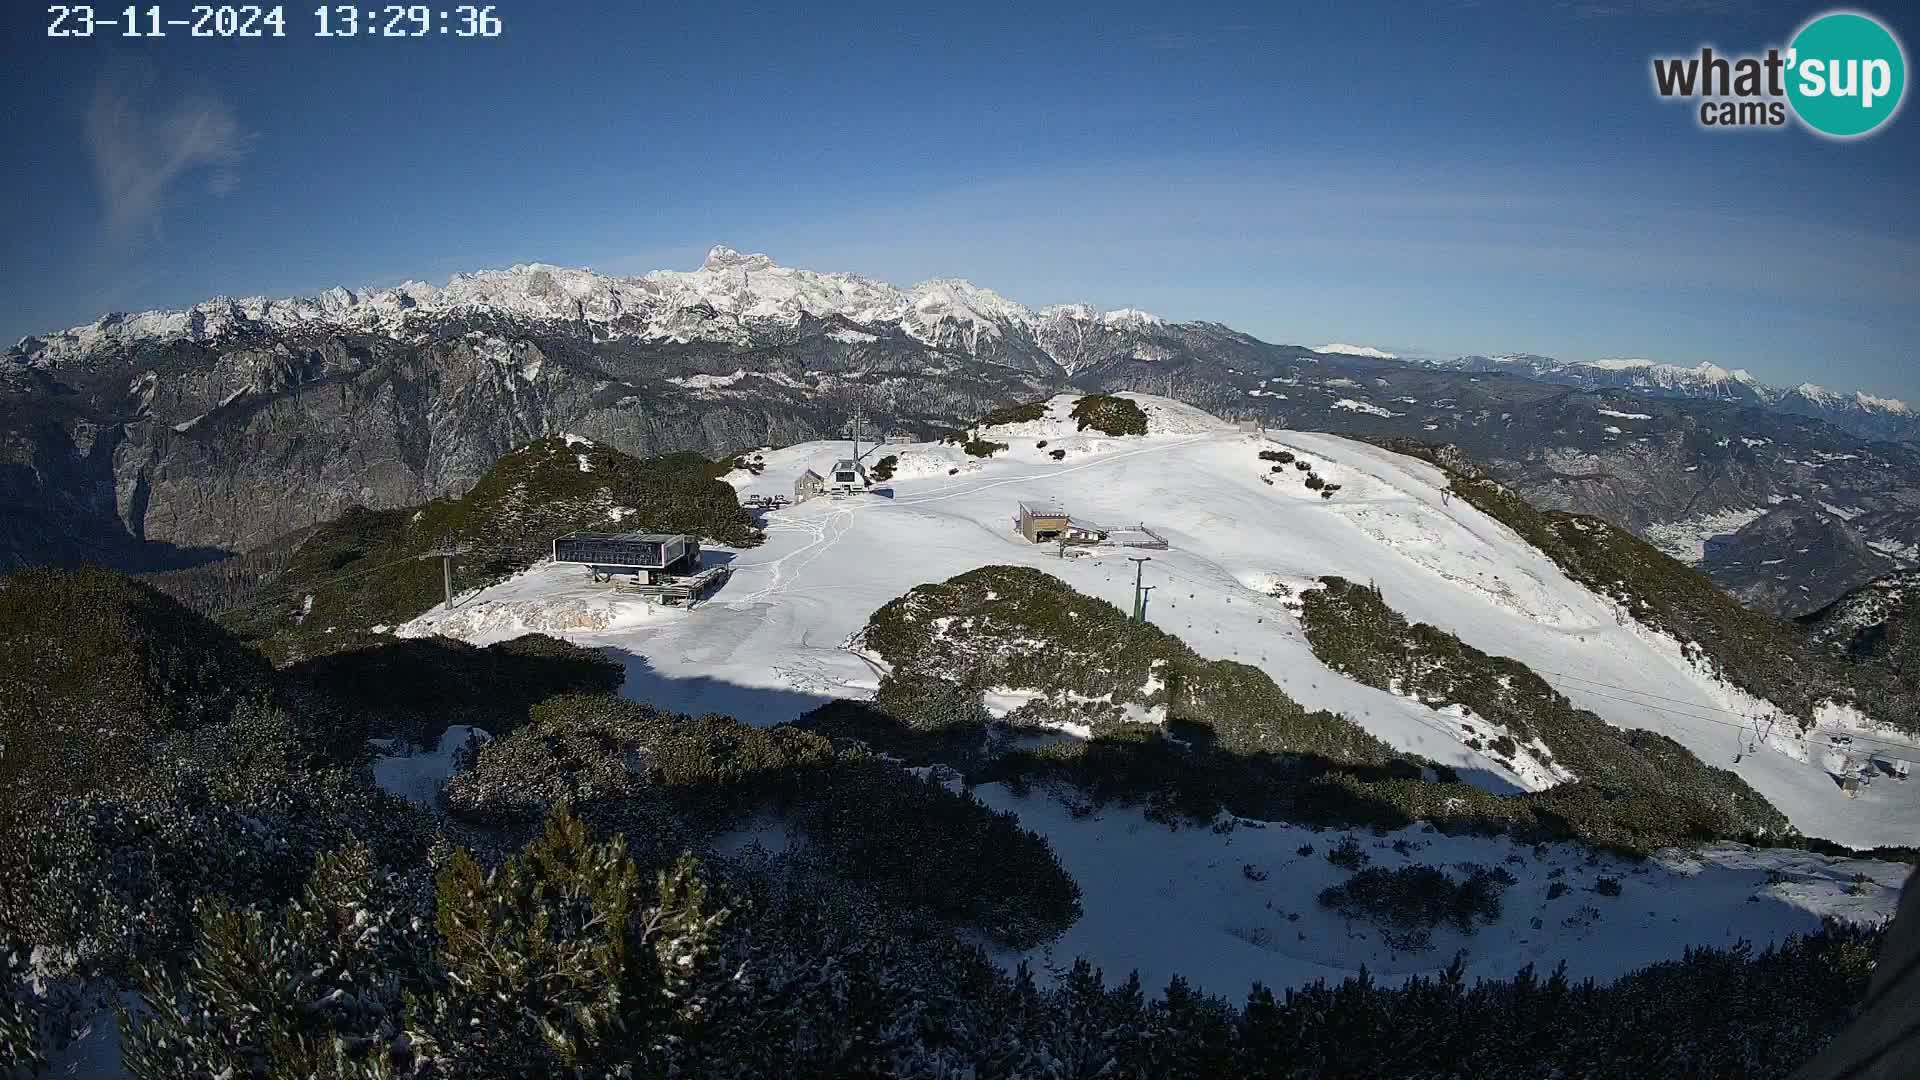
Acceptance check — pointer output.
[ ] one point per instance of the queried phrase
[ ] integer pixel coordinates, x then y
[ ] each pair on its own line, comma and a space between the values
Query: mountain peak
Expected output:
722, 257
1341, 348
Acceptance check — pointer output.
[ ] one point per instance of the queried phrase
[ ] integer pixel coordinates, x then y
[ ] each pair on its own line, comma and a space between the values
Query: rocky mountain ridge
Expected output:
163, 438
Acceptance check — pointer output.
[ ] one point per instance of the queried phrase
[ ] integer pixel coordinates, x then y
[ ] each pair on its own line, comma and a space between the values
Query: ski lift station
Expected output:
848, 476
662, 566
1041, 522
1047, 522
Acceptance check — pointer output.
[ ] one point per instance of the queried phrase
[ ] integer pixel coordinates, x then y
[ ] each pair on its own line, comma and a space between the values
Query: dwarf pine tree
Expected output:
316, 992
554, 964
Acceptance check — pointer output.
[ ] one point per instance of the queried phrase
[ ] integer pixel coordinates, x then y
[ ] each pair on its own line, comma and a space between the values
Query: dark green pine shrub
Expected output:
1348, 854
1016, 414
111, 881
982, 448
1109, 414
622, 766
882, 470
413, 688
98, 673
1409, 901
796, 975
955, 632
1874, 632
561, 962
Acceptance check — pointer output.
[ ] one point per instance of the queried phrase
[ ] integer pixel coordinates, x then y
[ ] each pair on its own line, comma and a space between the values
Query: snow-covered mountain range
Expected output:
730, 298
1859, 411
735, 298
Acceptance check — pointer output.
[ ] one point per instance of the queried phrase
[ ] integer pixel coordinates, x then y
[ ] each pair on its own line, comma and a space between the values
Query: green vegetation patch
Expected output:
1019, 627
1109, 414
1408, 902
1767, 657
363, 569
626, 766
1016, 414
1651, 790
982, 448
414, 688
1875, 631
98, 672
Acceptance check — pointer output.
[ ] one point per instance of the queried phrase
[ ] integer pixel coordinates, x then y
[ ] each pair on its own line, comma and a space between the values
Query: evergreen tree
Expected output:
554, 964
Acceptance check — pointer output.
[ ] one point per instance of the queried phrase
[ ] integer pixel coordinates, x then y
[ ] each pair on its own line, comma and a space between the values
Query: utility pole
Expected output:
1139, 568
446, 552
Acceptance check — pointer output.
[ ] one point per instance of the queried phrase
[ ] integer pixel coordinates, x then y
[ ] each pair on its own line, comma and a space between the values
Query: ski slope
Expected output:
774, 642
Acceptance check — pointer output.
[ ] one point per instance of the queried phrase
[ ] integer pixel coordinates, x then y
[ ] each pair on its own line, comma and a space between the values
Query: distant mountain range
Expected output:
1859, 412
164, 438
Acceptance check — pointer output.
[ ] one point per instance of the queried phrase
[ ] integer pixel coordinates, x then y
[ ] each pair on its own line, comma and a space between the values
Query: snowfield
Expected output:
1164, 901
776, 641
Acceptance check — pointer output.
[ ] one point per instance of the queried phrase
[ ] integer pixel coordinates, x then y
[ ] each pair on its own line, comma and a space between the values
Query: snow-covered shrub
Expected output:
1348, 854
670, 781
561, 962
106, 883
1419, 898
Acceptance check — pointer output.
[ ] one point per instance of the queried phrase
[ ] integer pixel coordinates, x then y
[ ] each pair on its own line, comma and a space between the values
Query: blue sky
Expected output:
1460, 177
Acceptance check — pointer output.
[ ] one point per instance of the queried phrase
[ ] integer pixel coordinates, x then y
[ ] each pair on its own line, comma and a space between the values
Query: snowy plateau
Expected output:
782, 637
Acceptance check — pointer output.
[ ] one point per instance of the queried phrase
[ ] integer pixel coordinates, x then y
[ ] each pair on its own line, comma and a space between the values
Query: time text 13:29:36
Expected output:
256, 21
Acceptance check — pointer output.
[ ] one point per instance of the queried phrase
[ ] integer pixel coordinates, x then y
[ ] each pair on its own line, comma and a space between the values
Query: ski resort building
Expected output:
848, 476
1043, 522
662, 567
807, 485
647, 556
